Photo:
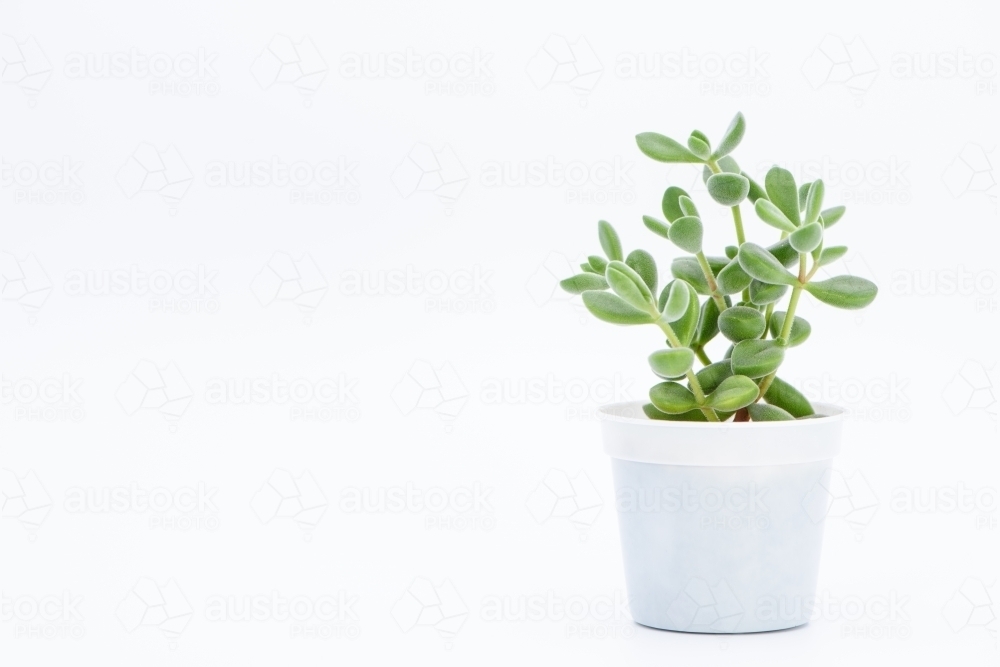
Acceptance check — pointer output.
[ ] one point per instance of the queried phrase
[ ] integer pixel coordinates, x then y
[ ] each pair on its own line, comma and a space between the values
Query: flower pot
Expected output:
721, 524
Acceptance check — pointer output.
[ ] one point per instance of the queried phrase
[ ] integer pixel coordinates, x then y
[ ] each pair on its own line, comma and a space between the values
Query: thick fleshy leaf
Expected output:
699, 146
781, 190
629, 285
584, 282
672, 363
757, 358
689, 270
788, 398
677, 301
687, 206
598, 263
773, 215
727, 165
849, 292
610, 242
589, 269
671, 203
690, 416
708, 323
814, 202
643, 263
672, 398
762, 412
728, 189
803, 195
732, 137
735, 392
711, 376
733, 279
664, 149
757, 191
686, 233
831, 215
658, 227
832, 254
784, 253
686, 326
807, 238
741, 323
611, 308
762, 294
800, 328
763, 266
701, 135
731, 251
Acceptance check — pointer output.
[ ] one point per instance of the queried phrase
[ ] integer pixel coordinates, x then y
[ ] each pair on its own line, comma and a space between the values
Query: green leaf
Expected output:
832, 254
731, 251
831, 215
708, 323
686, 233
677, 301
711, 376
800, 328
672, 398
688, 322
727, 165
673, 363
690, 416
763, 266
610, 242
781, 190
735, 392
761, 412
643, 264
701, 135
757, 358
762, 294
687, 206
756, 190
584, 282
610, 308
629, 285
814, 202
664, 149
689, 270
598, 263
658, 227
699, 146
803, 194
773, 216
788, 398
671, 203
741, 323
733, 279
732, 137
589, 269
784, 253
850, 292
807, 238
728, 189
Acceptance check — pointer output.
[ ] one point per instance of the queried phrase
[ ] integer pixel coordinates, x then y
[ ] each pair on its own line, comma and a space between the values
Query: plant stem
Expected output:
713, 287
767, 319
737, 216
786, 326
699, 394
702, 357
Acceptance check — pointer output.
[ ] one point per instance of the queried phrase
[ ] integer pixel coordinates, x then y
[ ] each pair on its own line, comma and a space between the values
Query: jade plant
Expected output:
739, 296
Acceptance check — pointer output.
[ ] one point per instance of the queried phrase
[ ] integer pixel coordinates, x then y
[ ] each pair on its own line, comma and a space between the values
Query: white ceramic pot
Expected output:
721, 524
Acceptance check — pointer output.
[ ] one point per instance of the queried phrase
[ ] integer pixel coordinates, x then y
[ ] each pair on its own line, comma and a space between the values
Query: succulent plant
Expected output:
735, 295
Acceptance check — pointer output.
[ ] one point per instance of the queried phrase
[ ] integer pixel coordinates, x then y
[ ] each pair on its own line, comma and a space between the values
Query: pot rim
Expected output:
825, 413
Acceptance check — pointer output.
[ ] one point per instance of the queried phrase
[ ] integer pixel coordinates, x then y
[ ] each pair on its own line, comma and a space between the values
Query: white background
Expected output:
911, 153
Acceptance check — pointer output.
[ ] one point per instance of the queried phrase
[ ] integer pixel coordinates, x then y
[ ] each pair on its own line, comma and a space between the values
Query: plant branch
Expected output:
713, 286
699, 394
